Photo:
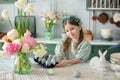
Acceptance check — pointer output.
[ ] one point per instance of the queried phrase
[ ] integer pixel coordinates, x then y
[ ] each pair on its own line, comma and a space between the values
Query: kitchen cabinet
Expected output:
50, 48
94, 51
103, 45
1, 44
95, 48
7, 1
50, 44
96, 45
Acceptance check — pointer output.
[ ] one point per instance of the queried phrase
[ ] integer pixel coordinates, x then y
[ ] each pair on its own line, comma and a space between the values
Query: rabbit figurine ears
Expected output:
102, 54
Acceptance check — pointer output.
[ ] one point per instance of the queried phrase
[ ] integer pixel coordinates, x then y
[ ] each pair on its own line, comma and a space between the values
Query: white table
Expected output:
63, 73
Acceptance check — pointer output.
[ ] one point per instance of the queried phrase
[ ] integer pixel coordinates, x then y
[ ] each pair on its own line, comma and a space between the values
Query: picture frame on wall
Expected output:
7, 1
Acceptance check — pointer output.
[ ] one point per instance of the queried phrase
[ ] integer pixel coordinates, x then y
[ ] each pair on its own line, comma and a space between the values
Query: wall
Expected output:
77, 7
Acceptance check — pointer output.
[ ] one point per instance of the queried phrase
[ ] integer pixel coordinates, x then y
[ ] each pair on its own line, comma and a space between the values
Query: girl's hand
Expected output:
61, 63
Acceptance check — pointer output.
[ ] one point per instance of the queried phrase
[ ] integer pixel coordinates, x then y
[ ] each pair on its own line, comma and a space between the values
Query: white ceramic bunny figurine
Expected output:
99, 63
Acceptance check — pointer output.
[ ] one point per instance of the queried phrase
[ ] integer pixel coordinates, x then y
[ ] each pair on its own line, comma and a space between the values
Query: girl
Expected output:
74, 49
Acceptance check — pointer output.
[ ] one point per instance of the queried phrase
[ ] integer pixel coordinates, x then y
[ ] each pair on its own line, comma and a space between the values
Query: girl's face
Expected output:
72, 31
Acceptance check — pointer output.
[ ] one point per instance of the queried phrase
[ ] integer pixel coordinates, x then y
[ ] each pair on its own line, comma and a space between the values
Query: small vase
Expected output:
49, 35
21, 64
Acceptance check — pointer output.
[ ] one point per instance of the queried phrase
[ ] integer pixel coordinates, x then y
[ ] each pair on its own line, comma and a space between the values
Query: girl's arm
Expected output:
65, 62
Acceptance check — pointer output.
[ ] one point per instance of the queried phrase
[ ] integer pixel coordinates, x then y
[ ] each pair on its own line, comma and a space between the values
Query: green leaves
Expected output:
22, 23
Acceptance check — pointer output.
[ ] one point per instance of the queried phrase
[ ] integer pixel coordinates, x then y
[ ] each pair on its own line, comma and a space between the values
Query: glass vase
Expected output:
21, 64
49, 35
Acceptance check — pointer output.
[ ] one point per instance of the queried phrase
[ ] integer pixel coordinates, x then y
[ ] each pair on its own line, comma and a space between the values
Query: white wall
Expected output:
77, 7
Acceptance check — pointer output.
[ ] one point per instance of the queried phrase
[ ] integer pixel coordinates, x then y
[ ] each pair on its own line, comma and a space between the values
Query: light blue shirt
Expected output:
83, 51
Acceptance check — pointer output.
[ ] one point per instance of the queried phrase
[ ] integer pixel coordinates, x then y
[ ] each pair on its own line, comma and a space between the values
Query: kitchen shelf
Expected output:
106, 9
108, 5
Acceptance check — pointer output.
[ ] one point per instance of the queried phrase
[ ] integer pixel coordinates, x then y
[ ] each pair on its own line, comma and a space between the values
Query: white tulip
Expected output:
25, 48
40, 52
12, 34
42, 46
24, 2
5, 13
51, 15
29, 8
18, 5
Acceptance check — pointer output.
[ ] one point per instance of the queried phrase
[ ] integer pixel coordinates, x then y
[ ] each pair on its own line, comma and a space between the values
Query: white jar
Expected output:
106, 32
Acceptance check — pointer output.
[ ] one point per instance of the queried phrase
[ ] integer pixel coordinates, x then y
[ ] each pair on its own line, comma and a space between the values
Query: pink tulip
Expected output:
28, 40
27, 33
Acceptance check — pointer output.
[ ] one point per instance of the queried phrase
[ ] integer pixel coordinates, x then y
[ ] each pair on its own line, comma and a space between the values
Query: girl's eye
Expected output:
69, 30
72, 29
66, 30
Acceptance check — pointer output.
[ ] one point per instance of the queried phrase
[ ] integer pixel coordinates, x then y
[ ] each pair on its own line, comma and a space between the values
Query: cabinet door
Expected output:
95, 48
1, 44
50, 48
111, 51
7, 1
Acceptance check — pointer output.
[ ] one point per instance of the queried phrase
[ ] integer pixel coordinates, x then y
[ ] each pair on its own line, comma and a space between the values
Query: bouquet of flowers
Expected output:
50, 18
18, 40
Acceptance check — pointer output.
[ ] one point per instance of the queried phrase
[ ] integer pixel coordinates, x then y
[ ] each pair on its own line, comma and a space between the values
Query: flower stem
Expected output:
11, 26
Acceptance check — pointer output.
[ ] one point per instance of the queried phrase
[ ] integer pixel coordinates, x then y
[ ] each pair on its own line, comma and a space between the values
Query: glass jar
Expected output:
21, 64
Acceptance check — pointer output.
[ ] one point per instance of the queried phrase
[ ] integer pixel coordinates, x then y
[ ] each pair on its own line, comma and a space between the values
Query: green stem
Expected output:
11, 26
23, 64
20, 25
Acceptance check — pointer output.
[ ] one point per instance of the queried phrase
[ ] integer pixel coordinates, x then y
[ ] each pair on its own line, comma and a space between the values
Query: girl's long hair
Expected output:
67, 42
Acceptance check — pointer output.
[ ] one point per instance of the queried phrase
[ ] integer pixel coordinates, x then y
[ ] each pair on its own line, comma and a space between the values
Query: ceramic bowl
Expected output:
106, 32
115, 58
114, 66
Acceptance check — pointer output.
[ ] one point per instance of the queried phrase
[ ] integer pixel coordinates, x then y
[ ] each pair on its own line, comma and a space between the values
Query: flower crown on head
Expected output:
71, 17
